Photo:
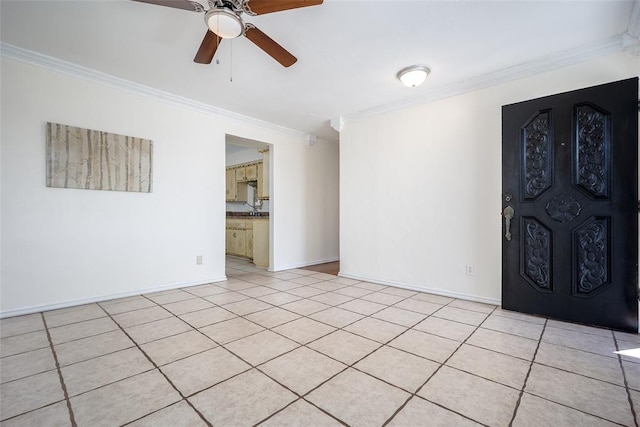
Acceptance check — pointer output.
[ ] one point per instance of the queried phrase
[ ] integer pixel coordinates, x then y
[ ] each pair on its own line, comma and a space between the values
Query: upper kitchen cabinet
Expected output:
237, 190
263, 176
251, 172
231, 185
241, 173
259, 190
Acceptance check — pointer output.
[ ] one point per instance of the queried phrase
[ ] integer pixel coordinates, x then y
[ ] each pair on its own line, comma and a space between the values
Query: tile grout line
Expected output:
568, 328
318, 338
581, 375
411, 327
571, 373
552, 343
64, 386
495, 351
360, 298
22, 353
560, 369
347, 366
415, 393
159, 370
219, 344
257, 367
342, 328
298, 399
626, 384
583, 351
494, 312
222, 346
174, 315
88, 336
526, 378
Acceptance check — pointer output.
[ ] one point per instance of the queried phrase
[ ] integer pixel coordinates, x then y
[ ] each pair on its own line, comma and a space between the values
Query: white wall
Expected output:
65, 246
306, 177
421, 188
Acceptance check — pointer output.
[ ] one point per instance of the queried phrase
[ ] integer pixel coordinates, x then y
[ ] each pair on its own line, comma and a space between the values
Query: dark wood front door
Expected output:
570, 206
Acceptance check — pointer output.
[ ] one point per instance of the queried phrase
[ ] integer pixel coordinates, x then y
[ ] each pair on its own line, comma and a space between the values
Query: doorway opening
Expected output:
249, 205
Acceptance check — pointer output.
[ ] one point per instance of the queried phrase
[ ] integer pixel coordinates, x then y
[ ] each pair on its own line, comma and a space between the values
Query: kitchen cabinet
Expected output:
251, 172
236, 242
236, 191
238, 177
249, 238
236, 237
241, 173
259, 189
229, 241
242, 192
263, 176
260, 237
231, 184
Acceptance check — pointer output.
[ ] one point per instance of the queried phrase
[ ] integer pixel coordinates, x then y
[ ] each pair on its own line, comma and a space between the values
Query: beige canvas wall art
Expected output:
96, 160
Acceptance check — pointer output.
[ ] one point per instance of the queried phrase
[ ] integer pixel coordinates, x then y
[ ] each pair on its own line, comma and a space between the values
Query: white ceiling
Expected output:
348, 50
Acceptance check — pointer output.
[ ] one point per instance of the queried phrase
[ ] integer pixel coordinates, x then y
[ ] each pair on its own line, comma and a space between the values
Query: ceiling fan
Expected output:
224, 21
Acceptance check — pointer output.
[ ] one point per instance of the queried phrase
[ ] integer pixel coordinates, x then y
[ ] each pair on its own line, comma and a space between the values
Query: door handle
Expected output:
508, 216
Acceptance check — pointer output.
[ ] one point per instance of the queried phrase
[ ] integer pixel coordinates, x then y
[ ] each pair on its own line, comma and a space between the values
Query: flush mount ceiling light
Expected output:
224, 23
414, 75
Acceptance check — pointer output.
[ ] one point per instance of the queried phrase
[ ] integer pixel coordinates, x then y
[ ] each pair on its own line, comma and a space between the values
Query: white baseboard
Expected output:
306, 264
65, 304
434, 291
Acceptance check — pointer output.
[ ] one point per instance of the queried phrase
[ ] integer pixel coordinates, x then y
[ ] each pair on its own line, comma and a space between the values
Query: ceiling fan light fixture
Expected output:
414, 75
224, 23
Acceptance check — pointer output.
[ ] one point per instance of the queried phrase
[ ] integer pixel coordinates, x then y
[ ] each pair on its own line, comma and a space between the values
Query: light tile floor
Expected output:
303, 348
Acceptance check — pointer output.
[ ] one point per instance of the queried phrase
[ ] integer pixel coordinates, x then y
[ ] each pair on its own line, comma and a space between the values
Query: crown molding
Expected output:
634, 20
631, 39
74, 70
540, 65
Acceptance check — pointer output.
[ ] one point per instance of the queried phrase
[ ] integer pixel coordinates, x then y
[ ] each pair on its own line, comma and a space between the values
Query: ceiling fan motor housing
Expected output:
224, 22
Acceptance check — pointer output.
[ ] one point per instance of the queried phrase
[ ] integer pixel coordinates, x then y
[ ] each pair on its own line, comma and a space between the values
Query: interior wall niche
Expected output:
96, 160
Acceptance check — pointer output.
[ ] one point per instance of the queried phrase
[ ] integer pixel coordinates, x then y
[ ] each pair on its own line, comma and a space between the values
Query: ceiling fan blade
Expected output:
207, 48
260, 7
267, 44
177, 4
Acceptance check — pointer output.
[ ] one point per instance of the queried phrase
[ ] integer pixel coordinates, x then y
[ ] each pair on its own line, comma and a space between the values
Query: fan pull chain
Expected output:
217, 40
231, 61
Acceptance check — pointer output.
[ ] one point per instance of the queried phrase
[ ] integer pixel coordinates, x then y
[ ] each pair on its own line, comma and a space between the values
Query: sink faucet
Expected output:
254, 209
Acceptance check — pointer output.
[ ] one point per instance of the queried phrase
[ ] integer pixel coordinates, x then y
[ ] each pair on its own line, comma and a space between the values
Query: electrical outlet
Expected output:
199, 259
471, 270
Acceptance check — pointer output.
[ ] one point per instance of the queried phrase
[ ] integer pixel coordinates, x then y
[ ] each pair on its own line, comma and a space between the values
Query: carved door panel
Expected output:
570, 176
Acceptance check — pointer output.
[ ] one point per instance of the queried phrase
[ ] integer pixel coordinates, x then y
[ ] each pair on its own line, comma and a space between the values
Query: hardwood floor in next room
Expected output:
327, 268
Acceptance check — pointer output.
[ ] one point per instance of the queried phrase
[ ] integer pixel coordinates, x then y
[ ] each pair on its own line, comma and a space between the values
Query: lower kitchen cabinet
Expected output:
236, 237
249, 238
261, 243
